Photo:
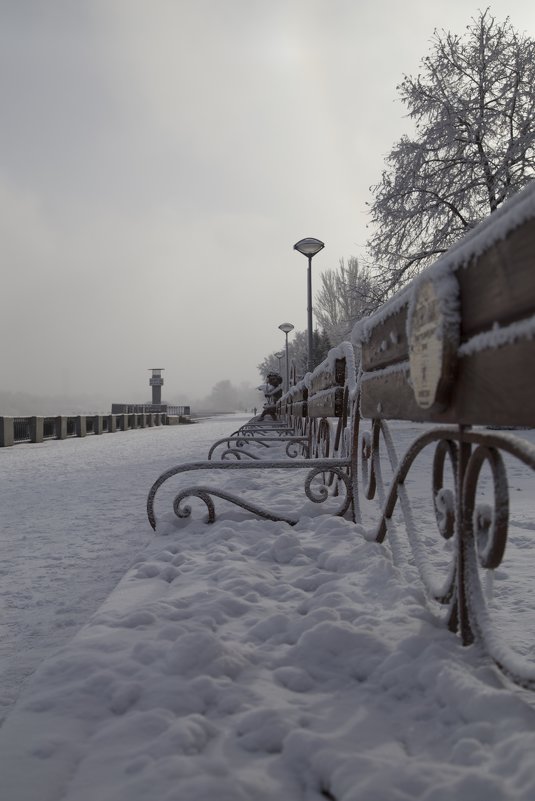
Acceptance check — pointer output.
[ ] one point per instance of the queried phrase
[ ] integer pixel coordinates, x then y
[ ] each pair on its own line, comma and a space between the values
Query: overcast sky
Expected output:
159, 159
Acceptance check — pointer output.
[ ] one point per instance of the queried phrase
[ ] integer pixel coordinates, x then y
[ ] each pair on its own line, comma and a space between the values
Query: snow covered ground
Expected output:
72, 519
247, 659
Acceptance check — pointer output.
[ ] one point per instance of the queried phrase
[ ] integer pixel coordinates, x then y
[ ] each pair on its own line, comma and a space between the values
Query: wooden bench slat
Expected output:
496, 287
388, 343
299, 409
499, 286
328, 403
492, 387
495, 281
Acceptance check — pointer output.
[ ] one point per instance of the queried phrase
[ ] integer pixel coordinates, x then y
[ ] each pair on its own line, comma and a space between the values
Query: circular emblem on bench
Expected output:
433, 341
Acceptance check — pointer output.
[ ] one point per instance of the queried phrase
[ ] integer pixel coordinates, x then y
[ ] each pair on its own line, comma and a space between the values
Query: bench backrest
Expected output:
294, 402
458, 344
325, 391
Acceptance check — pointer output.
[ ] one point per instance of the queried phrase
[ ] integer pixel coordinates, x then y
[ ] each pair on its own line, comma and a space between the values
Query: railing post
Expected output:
61, 427
81, 426
7, 432
98, 425
112, 423
37, 425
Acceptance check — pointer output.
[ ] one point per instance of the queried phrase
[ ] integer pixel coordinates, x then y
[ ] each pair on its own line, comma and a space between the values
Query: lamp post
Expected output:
309, 247
279, 357
286, 328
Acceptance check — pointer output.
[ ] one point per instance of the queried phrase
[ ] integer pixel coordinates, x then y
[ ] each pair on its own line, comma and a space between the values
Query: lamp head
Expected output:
286, 327
309, 246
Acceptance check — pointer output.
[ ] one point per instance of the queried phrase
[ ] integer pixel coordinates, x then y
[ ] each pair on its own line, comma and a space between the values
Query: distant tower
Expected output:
156, 382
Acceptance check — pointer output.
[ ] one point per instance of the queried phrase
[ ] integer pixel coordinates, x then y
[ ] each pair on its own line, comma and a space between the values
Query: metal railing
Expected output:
150, 408
15, 430
50, 428
21, 429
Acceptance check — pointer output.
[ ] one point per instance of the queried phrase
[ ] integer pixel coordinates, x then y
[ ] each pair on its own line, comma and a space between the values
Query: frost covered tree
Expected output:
346, 295
473, 106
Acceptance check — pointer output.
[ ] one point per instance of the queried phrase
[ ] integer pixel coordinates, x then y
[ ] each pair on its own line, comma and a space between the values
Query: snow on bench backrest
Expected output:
323, 393
294, 402
457, 344
331, 381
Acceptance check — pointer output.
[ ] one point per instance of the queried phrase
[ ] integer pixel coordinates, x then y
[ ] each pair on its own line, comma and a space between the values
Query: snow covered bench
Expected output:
456, 349
322, 396
259, 433
330, 388
452, 355
293, 404
321, 436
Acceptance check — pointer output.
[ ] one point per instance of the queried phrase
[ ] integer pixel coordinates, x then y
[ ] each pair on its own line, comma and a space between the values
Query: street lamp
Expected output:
279, 357
286, 328
309, 247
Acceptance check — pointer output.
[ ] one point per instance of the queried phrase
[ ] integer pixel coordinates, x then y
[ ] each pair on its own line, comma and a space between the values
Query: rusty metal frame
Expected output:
314, 467
330, 462
238, 446
479, 538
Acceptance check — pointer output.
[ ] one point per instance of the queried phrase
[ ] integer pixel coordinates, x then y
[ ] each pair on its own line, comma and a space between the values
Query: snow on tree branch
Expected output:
473, 107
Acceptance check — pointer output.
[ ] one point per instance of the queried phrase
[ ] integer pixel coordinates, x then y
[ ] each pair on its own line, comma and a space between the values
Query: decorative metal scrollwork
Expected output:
477, 531
314, 467
295, 445
444, 498
206, 494
487, 526
316, 494
238, 453
322, 491
238, 445
367, 465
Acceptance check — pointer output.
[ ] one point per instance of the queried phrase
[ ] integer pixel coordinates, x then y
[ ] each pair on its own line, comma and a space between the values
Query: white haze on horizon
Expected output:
158, 164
